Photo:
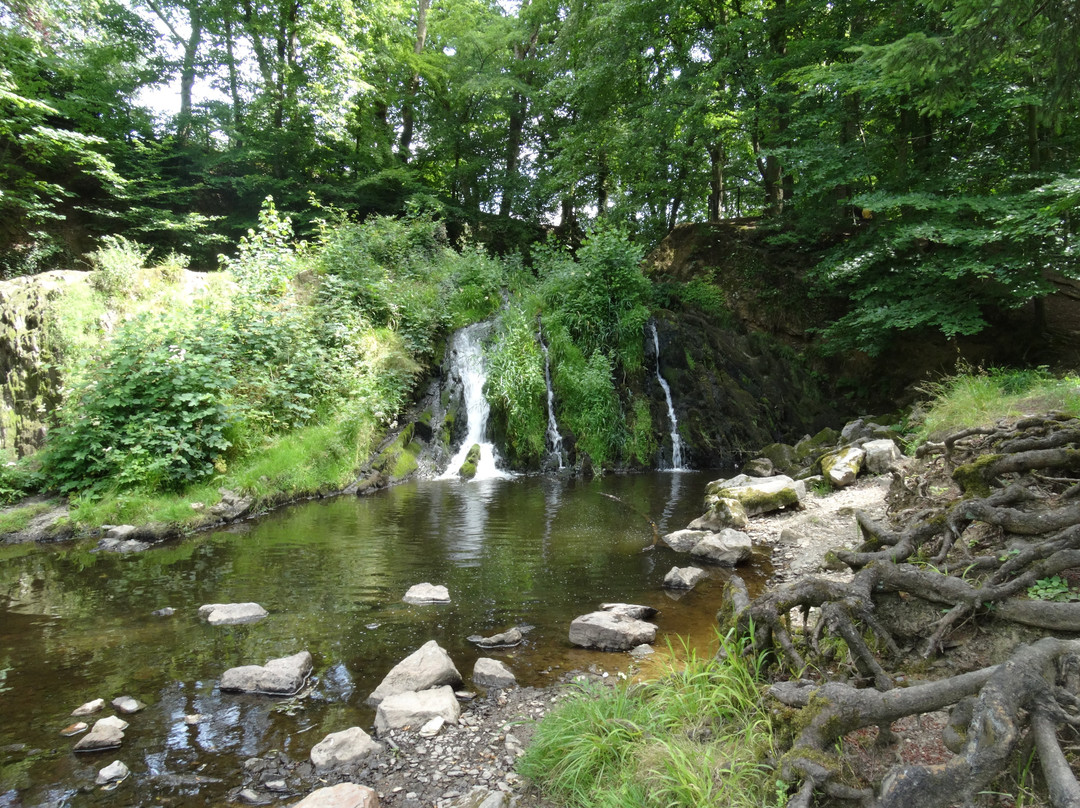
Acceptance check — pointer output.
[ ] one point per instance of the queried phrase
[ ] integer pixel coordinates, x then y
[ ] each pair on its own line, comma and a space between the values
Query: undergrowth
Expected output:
699, 736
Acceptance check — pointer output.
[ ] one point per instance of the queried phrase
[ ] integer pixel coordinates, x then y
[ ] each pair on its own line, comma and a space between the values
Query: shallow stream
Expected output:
76, 625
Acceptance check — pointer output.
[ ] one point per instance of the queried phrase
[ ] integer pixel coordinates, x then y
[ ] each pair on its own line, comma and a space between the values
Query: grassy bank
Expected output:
699, 735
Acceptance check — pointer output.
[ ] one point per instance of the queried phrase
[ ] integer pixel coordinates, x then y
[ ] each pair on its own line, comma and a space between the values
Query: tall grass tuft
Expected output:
699, 736
982, 397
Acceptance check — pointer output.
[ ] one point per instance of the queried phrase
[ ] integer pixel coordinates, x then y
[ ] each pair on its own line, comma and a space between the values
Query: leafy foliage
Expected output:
516, 387
149, 413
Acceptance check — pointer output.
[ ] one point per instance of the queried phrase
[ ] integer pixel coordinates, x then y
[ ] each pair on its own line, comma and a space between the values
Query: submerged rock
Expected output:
414, 709
278, 677
121, 546
684, 577
232, 614
425, 594
426, 667
343, 795
492, 674
345, 748
505, 640
610, 631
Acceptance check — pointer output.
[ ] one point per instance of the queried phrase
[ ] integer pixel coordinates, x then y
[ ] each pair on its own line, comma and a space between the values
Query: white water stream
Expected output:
554, 439
467, 368
676, 442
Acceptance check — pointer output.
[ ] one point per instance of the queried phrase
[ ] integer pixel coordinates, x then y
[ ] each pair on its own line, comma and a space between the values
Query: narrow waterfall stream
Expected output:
467, 367
676, 442
554, 439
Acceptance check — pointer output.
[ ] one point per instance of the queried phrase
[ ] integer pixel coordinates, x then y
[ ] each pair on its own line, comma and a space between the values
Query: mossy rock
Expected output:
399, 459
472, 459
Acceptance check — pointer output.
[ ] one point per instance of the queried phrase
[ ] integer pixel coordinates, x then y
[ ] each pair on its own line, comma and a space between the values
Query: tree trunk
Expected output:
716, 181
407, 123
234, 85
187, 74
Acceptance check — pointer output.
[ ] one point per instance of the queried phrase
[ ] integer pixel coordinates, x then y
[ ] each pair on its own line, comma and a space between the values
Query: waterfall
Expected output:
554, 439
467, 368
676, 442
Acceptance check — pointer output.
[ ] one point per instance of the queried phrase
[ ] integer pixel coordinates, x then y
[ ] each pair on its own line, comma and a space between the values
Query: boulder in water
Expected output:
426, 594
232, 614
105, 734
89, 708
610, 631
722, 512
728, 548
684, 577
278, 677
683, 541
757, 495
635, 610
127, 704
427, 667
115, 772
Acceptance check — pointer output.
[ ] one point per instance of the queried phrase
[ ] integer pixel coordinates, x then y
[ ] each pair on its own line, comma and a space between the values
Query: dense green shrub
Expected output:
600, 298
151, 412
589, 403
516, 387
117, 265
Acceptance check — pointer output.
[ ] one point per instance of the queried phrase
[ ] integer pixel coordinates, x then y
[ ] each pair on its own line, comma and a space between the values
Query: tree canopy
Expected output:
936, 137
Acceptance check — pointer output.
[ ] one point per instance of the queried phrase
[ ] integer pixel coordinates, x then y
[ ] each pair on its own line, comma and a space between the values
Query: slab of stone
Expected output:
114, 721
91, 707
278, 677
842, 467
427, 667
506, 639
684, 577
343, 795
758, 467
127, 705
232, 614
722, 512
103, 735
757, 495
683, 541
610, 631
426, 594
635, 610
727, 548
120, 532
492, 674
880, 454
414, 709
481, 797
340, 749
74, 729
113, 773
108, 545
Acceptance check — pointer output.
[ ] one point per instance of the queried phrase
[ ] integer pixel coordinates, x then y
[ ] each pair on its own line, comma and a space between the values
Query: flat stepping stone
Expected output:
105, 734
343, 795
684, 577
610, 631
91, 707
506, 639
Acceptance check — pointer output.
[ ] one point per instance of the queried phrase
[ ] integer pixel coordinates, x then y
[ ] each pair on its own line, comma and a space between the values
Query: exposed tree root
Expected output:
1020, 485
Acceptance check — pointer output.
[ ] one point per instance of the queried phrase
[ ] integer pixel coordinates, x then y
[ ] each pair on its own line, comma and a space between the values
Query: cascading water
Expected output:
676, 442
467, 367
554, 439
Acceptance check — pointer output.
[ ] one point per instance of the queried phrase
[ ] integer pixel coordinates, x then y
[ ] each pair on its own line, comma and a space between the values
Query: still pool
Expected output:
76, 625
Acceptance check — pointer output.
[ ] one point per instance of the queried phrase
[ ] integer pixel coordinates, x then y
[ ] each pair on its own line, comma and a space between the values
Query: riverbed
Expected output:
76, 624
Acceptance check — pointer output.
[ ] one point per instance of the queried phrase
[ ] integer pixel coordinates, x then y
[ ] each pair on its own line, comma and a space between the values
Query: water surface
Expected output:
77, 625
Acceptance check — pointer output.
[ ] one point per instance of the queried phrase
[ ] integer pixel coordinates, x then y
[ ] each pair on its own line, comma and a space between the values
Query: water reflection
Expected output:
77, 625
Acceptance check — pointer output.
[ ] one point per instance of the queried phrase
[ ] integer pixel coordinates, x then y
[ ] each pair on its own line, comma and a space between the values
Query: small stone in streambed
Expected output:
127, 705
89, 708
167, 611
74, 729
115, 772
